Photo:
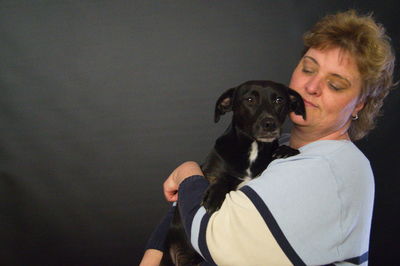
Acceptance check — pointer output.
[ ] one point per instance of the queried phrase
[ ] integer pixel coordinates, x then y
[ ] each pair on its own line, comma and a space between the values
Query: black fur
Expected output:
259, 110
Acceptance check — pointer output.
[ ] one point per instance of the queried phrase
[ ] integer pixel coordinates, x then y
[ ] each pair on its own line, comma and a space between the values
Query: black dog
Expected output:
246, 148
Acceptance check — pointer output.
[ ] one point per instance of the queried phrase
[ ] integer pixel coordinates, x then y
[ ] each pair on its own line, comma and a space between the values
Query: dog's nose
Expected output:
268, 124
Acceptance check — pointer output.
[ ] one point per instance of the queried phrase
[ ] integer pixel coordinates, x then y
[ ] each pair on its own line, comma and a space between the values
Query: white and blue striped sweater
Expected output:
314, 208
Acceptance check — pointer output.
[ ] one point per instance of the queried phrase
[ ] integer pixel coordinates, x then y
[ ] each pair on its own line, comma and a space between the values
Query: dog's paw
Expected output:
213, 199
284, 152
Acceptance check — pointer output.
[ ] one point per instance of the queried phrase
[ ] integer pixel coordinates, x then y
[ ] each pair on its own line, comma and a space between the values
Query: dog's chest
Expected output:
253, 153
252, 157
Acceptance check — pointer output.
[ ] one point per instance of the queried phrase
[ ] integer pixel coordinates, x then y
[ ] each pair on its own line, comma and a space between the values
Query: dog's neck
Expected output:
245, 155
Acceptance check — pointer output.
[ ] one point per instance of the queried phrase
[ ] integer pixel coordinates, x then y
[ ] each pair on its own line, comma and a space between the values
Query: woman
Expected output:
314, 208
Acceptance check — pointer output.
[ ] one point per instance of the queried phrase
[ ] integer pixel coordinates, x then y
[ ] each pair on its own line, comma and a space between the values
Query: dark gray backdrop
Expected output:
100, 100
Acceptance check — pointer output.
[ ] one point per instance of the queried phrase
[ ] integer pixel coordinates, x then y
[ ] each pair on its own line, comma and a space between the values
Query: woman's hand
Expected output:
182, 172
152, 257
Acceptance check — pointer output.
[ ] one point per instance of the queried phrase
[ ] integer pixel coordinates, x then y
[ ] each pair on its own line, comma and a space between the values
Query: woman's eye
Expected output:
278, 100
334, 86
307, 71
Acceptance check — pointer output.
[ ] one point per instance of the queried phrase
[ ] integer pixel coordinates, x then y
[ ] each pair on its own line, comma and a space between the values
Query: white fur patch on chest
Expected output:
253, 153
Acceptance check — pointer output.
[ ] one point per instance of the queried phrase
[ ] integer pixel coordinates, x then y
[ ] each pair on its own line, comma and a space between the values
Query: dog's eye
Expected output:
250, 99
278, 100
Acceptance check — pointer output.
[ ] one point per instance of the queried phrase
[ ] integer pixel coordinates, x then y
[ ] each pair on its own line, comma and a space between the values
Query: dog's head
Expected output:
259, 108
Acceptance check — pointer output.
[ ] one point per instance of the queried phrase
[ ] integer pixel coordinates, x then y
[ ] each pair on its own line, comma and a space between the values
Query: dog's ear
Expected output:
296, 103
224, 104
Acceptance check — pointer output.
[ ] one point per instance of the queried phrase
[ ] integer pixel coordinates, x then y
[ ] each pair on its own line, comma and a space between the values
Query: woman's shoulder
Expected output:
338, 163
325, 154
342, 157
325, 149
331, 148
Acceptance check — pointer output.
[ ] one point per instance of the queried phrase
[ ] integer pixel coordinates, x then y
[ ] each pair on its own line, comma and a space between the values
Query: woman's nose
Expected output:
313, 86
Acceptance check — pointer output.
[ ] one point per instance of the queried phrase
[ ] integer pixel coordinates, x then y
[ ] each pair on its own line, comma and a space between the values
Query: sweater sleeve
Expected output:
190, 195
157, 238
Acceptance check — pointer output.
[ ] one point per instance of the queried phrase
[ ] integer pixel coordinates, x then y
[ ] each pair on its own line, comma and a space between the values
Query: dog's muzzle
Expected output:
267, 130
268, 124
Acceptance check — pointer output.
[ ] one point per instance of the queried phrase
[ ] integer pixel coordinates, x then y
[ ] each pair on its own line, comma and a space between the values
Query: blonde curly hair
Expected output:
368, 43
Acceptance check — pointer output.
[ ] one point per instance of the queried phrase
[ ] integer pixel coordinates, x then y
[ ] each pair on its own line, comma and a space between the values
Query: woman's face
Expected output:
330, 84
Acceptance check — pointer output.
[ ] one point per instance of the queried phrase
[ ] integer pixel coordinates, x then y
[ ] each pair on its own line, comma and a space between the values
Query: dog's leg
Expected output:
215, 194
284, 151
179, 251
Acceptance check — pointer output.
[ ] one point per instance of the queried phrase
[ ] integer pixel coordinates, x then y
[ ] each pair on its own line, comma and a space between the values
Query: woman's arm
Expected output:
155, 244
185, 170
236, 234
158, 236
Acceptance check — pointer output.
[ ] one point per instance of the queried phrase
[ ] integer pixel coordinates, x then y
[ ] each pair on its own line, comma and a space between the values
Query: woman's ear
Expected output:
359, 106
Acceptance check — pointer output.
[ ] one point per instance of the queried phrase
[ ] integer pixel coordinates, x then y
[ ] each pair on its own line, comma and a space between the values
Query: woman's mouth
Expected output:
307, 103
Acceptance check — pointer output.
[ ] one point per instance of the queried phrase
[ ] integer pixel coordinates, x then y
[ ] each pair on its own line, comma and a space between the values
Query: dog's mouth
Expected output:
269, 136
266, 139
